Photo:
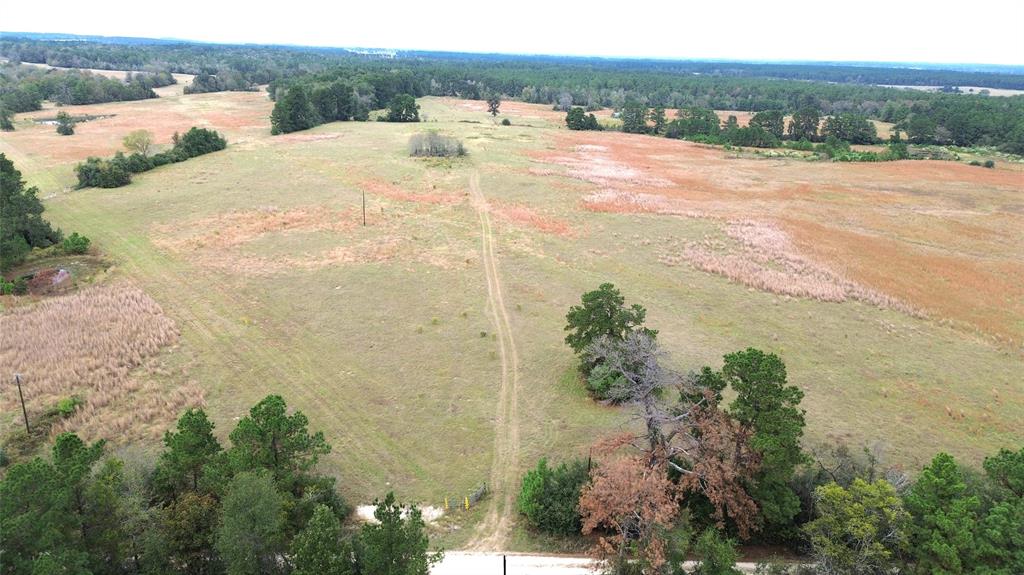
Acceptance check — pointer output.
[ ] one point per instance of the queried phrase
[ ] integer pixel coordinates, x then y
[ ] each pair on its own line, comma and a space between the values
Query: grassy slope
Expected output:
387, 357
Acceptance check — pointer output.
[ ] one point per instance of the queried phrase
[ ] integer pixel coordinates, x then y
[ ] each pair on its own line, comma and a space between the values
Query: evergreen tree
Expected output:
293, 112
187, 451
395, 545
771, 121
770, 407
602, 313
268, 438
804, 124
634, 117
658, 117
319, 549
22, 226
250, 535
945, 518
403, 108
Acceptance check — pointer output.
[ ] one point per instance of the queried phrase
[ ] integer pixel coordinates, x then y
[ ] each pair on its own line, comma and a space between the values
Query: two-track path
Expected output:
492, 532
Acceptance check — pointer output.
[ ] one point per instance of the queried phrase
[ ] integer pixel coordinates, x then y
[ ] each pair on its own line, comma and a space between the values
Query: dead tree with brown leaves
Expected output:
692, 437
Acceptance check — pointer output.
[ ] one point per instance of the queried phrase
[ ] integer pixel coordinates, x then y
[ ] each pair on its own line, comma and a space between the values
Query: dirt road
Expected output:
492, 533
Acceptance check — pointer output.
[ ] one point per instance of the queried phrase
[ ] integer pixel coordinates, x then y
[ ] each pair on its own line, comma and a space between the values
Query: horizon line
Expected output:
1009, 68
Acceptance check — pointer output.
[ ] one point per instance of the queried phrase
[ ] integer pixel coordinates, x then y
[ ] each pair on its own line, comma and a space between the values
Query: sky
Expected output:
982, 31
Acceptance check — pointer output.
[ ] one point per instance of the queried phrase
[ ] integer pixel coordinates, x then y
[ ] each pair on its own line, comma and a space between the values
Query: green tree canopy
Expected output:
319, 549
268, 438
250, 538
549, 497
602, 313
293, 112
22, 226
186, 452
395, 545
403, 108
634, 117
860, 530
771, 121
769, 406
804, 124
945, 518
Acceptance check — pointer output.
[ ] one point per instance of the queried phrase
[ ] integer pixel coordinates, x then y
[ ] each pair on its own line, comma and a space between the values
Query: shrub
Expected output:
6, 287
975, 163
602, 379
67, 406
506, 122
98, 173
199, 141
65, 125
20, 286
432, 144
717, 555
75, 244
549, 498
989, 164
138, 163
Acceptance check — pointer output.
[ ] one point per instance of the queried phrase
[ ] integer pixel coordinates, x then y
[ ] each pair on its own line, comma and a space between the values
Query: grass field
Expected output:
389, 336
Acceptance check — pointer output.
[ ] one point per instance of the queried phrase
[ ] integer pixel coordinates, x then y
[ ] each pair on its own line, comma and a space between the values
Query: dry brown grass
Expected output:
92, 344
525, 216
238, 115
226, 242
938, 236
762, 256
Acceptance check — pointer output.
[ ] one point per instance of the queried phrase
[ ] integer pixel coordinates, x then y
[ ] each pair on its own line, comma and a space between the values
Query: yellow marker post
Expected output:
467, 504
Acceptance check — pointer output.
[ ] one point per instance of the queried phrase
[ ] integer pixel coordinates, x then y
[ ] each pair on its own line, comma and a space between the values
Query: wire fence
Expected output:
467, 501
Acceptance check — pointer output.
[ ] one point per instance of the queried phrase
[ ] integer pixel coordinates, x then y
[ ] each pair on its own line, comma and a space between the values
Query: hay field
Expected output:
383, 335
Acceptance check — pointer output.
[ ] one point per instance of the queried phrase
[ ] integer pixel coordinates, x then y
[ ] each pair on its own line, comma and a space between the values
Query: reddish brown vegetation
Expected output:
939, 237
629, 501
524, 216
92, 343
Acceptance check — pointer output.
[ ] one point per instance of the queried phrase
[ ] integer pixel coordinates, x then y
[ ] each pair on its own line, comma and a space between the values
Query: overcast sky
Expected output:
981, 31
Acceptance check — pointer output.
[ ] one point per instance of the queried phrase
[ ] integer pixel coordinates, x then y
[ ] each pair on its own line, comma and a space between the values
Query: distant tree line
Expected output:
702, 473
265, 63
23, 88
961, 119
117, 171
255, 506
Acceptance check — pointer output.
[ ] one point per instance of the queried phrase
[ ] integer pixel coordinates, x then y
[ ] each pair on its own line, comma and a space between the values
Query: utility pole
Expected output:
364, 207
24, 413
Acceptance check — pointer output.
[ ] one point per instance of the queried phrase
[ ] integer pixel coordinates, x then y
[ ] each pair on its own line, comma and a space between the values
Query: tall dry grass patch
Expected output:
100, 344
761, 255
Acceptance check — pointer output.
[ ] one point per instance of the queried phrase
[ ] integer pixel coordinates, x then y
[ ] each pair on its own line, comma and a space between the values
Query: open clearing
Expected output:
427, 345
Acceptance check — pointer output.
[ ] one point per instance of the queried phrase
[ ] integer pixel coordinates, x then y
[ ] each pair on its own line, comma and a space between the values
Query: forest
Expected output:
23, 88
372, 81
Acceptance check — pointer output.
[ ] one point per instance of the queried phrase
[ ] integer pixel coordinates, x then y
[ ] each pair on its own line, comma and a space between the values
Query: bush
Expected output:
65, 125
137, 163
98, 173
20, 286
506, 122
199, 141
6, 287
717, 556
66, 407
975, 163
434, 145
75, 244
549, 498
601, 380
989, 164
